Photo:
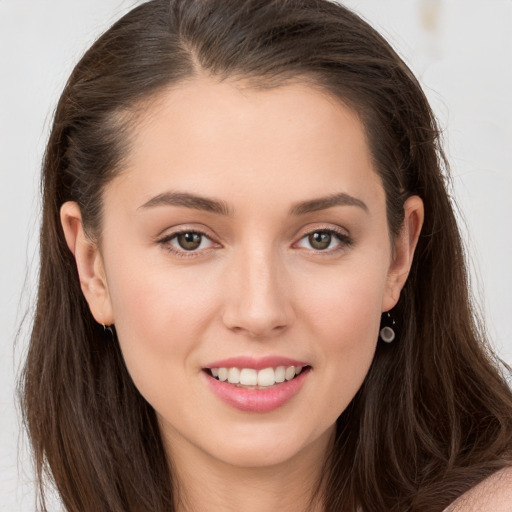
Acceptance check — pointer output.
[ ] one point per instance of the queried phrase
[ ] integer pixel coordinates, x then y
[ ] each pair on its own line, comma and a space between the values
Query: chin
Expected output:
269, 448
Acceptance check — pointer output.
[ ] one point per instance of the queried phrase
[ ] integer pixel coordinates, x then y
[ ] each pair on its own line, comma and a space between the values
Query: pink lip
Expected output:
256, 400
256, 363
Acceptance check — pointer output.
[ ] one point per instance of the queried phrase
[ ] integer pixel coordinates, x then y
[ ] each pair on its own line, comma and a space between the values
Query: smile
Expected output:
256, 385
256, 379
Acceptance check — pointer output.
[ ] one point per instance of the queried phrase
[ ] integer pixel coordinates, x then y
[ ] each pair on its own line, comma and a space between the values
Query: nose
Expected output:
258, 298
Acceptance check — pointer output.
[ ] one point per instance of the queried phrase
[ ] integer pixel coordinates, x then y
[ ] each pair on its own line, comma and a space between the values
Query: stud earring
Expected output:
387, 333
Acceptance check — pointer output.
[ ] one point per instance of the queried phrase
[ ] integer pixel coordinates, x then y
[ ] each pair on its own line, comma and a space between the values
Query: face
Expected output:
246, 235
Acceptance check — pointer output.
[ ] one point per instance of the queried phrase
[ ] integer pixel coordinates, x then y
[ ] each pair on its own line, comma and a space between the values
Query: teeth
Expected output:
280, 373
233, 375
251, 377
248, 377
290, 373
266, 377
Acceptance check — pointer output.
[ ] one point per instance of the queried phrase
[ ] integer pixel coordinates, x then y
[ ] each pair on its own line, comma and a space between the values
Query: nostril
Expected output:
255, 331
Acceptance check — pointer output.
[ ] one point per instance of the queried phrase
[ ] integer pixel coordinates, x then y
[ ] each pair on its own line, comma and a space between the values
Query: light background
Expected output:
460, 49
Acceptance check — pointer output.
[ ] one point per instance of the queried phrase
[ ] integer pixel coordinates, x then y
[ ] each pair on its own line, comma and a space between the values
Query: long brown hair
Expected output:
434, 415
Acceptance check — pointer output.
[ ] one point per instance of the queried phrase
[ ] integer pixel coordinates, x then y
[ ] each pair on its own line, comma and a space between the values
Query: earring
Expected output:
387, 333
108, 328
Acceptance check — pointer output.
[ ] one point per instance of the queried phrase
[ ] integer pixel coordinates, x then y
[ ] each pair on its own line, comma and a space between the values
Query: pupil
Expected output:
189, 241
320, 240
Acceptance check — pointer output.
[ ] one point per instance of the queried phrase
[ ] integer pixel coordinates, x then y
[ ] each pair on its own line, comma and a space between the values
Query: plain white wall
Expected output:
460, 49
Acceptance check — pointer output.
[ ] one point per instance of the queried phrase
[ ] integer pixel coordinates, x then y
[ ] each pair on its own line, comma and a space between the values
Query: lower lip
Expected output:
257, 400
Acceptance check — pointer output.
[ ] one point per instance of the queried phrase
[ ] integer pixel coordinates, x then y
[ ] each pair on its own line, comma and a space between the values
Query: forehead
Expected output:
224, 137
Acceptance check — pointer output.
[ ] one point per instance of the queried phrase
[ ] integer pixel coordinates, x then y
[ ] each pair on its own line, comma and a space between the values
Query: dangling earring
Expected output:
387, 333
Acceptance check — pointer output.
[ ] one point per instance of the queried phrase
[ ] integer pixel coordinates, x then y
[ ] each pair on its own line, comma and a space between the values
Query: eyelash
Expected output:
344, 242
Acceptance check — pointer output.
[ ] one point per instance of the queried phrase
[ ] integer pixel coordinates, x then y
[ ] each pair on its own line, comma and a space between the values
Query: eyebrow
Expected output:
219, 207
322, 203
188, 200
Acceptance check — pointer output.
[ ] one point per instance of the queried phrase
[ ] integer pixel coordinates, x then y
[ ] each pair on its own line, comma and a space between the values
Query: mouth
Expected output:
257, 384
251, 378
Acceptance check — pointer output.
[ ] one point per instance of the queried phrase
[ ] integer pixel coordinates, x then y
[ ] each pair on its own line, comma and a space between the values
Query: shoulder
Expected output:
494, 494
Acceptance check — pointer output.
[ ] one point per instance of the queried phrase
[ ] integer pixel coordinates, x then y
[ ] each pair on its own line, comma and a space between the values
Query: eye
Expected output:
184, 242
189, 241
324, 240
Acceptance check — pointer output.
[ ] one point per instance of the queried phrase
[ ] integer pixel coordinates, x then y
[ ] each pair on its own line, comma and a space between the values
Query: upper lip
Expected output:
257, 363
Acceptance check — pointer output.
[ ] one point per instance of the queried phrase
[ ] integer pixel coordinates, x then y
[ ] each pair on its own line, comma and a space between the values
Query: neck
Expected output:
295, 485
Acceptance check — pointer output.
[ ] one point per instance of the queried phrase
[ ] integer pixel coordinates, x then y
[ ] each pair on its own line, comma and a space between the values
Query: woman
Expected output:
252, 292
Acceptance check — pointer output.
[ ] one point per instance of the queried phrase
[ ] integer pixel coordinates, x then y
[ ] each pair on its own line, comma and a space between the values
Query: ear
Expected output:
89, 263
403, 251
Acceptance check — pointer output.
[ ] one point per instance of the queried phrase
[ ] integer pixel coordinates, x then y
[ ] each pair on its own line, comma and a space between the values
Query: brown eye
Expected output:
329, 241
320, 240
189, 241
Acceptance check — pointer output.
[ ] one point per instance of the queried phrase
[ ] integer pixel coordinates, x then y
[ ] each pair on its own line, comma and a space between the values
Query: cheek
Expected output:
151, 305
347, 302
344, 318
159, 316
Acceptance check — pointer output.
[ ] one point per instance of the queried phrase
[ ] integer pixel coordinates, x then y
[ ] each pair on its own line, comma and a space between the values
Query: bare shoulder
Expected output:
494, 494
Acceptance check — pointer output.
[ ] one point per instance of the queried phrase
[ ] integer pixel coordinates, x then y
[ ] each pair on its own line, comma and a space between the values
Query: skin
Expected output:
256, 286
494, 494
